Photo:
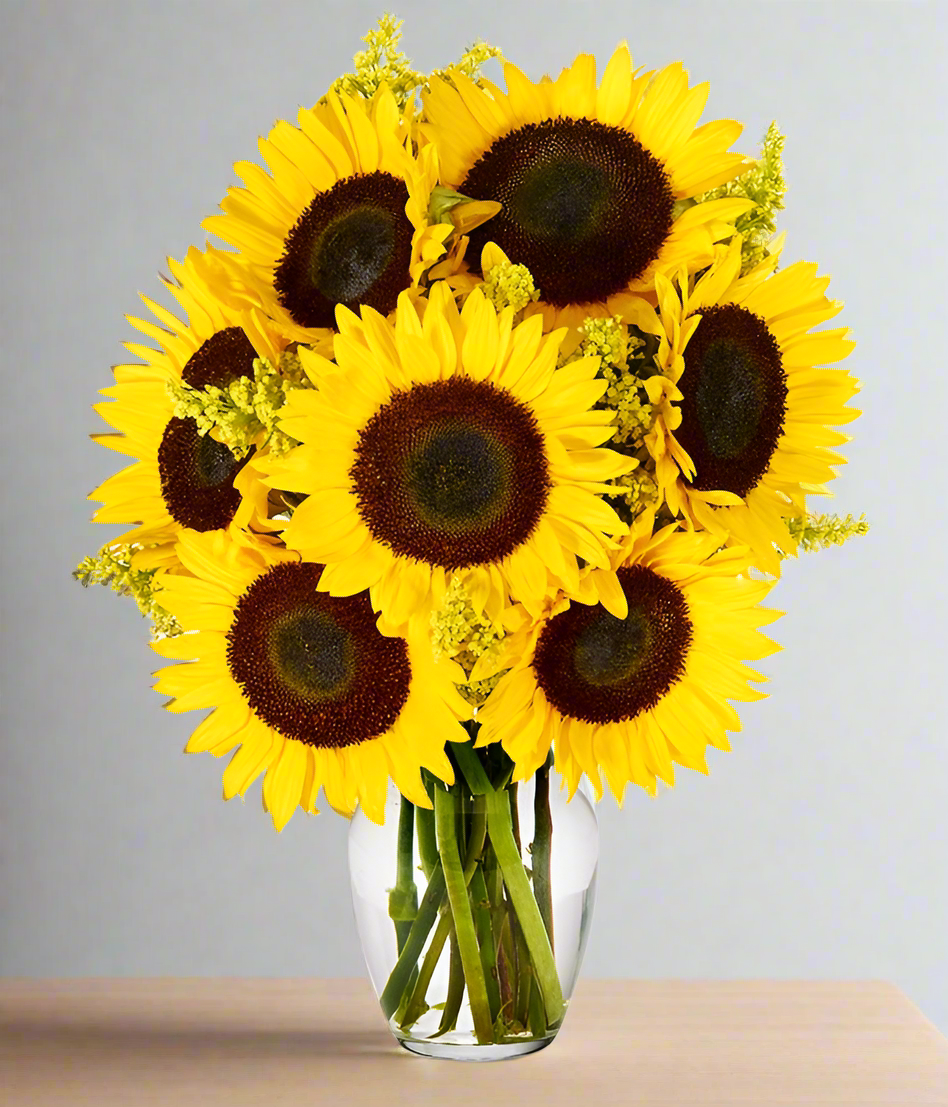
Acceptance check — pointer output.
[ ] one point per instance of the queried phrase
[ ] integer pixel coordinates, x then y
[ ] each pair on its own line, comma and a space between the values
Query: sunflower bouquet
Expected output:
473, 456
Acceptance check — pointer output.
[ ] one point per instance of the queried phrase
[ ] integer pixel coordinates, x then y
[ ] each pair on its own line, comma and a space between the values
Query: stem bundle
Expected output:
492, 912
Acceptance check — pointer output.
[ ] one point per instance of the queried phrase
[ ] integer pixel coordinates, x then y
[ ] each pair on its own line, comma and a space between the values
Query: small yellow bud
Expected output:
245, 413
819, 532
764, 184
509, 285
382, 63
458, 631
638, 489
112, 566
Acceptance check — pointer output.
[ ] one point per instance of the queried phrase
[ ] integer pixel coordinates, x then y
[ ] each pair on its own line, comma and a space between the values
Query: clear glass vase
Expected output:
473, 916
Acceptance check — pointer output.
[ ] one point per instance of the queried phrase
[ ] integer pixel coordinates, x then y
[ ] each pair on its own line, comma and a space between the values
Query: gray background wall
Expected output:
817, 849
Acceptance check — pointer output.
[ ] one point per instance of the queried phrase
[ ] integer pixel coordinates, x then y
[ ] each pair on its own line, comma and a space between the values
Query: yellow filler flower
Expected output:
303, 682
182, 478
448, 447
744, 430
591, 178
633, 696
340, 219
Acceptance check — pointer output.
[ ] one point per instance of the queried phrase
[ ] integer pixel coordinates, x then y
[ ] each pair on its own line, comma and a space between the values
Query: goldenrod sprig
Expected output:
247, 408
112, 566
459, 632
471, 61
509, 285
623, 364
819, 532
637, 489
765, 185
381, 63
616, 346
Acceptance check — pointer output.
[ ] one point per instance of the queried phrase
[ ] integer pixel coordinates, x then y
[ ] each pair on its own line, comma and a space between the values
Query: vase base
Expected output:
469, 1050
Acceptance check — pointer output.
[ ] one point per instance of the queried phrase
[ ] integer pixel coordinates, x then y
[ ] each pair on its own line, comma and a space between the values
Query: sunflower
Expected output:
303, 683
180, 478
632, 696
448, 448
341, 219
744, 430
592, 180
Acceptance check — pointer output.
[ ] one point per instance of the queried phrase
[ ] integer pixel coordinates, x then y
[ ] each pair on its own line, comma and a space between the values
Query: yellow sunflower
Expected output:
303, 682
180, 478
342, 218
448, 447
591, 179
633, 696
744, 430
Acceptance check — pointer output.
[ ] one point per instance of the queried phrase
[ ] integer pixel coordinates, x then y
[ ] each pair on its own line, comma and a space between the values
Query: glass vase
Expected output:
473, 916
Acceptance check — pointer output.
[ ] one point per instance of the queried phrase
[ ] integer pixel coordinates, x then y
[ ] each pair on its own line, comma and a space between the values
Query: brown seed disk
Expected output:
351, 246
735, 399
222, 358
600, 669
315, 667
585, 206
197, 477
452, 473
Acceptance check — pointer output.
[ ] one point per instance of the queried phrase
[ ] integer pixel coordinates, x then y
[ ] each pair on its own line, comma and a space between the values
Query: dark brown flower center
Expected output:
453, 473
197, 472
222, 358
585, 206
314, 666
351, 246
197, 477
600, 669
735, 396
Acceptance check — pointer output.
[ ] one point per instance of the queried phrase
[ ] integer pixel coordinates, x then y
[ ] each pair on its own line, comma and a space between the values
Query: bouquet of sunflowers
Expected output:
475, 456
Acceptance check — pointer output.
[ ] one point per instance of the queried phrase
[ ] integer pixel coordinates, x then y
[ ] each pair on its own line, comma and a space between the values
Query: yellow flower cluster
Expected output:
112, 566
509, 285
470, 63
611, 341
765, 186
608, 339
246, 409
381, 63
550, 418
459, 632
622, 353
637, 489
819, 532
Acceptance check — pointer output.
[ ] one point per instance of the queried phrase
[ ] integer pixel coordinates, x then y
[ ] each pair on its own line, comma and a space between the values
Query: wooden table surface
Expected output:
271, 1042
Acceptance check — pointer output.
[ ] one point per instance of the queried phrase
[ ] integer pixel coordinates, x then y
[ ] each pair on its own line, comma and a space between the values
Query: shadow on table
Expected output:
103, 1041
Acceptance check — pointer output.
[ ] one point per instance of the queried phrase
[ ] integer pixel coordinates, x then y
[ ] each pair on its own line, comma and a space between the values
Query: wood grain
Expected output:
271, 1042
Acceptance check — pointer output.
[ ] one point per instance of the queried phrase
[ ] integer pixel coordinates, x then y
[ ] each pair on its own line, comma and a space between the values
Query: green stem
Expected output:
476, 839
498, 915
541, 850
536, 1017
485, 939
506, 965
416, 1007
403, 898
427, 845
455, 993
521, 978
524, 973
472, 769
528, 914
400, 975
512, 792
463, 919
